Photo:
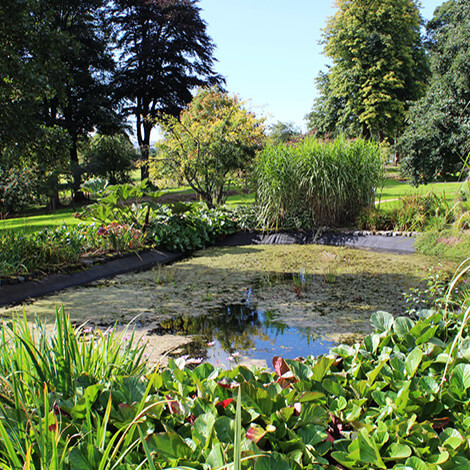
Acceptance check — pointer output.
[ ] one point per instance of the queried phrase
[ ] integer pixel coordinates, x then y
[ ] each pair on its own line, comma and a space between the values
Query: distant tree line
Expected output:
68, 69
388, 82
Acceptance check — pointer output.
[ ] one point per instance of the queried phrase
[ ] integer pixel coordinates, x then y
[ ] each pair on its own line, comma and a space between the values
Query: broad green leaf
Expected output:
426, 335
461, 376
364, 449
313, 414
310, 396
216, 458
372, 342
205, 371
372, 375
202, 429
312, 434
338, 404
382, 321
416, 463
345, 459
402, 326
451, 438
256, 398
272, 461
412, 362
224, 429
170, 445
397, 451
333, 387
321, 367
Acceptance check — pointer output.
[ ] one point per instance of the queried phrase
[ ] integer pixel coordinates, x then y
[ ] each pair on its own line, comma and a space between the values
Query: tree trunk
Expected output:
77, 194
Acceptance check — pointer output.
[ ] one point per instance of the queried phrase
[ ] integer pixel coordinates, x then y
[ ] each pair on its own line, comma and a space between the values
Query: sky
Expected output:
269, 51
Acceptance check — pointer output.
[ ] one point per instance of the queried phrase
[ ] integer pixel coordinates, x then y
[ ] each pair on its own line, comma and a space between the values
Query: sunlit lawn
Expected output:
387, 196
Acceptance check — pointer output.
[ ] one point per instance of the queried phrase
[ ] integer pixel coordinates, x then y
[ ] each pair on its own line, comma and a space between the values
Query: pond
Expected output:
247, 304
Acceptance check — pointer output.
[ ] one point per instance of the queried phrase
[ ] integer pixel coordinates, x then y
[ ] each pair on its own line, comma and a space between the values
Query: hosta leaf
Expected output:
382, 321
372, 342
313, 414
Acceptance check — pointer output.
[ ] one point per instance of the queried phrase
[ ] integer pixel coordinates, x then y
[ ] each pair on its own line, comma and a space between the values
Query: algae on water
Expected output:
328, 290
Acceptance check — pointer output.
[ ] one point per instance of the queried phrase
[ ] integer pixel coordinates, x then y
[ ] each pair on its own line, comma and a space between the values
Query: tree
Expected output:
214, 138
379, 65
77, 54
437, 138
283, 132
55, 59
327, 118
165, 52
111, 157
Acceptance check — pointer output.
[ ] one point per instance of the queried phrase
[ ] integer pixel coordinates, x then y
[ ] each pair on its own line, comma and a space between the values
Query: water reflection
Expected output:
241, 333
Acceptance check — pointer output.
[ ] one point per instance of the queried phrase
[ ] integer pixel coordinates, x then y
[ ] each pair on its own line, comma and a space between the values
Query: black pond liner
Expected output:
15, 294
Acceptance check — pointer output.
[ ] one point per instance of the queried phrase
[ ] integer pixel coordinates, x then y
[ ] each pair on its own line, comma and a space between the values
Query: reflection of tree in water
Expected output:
234, 327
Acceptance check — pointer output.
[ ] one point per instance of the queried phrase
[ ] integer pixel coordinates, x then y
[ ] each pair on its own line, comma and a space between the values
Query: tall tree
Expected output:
437, 138
379, 64
327, 118
76, 50
165, 52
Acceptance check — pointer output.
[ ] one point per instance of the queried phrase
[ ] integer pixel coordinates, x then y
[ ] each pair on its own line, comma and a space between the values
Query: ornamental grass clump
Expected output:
325, 182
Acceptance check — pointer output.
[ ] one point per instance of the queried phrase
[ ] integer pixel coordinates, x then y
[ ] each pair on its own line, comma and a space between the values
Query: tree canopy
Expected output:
437, 139
379, 65
165, 53
214, 137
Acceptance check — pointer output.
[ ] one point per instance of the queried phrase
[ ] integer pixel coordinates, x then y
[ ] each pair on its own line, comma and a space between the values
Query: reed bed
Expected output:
327, 181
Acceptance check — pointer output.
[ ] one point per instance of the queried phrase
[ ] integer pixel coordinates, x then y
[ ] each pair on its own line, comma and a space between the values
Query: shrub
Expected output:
192, 229
19, 189
329, 182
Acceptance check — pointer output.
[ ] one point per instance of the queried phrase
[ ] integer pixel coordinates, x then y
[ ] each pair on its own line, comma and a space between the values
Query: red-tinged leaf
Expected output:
329, 437
440, 423
337, 362
60, 412
280, 366
224, 403
174, 406
285, 382
190, 419
225, 384
53, 427
255, 433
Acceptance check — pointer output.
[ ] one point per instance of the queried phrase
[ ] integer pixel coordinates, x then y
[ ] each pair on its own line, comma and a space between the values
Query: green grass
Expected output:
39, 222
394, 189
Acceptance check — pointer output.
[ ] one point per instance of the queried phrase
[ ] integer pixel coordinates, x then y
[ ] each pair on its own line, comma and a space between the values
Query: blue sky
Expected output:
269, 53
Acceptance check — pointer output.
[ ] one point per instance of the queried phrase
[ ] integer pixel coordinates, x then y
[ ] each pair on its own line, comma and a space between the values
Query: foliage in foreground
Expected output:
398, 400
329, 182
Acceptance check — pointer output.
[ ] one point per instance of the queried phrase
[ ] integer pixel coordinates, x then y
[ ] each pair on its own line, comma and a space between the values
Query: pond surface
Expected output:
297, 299
241, 333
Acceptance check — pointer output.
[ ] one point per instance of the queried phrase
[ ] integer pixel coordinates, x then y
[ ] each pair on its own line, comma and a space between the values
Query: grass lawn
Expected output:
387, 196
39, 222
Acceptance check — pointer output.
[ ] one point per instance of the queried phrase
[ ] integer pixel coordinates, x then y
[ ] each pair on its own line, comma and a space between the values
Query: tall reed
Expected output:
330, 181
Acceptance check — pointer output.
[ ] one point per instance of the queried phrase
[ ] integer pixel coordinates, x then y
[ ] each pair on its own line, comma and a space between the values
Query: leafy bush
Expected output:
398, 400
193, 229
19, 188
329, 182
